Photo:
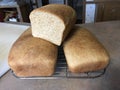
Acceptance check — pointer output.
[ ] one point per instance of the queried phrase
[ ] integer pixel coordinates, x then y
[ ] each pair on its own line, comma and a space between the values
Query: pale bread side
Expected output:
52, 22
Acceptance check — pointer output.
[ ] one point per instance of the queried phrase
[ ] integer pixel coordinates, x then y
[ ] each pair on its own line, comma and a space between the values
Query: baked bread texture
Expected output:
83, 52
52, 22
30, 56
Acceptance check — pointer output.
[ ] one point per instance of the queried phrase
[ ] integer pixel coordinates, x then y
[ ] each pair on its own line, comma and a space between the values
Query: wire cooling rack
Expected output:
62, 71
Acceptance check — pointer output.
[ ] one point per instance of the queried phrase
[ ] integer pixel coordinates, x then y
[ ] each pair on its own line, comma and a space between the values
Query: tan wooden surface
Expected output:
108, 33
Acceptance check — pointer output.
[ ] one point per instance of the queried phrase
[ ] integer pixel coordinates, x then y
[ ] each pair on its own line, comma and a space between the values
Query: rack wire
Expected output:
62, 71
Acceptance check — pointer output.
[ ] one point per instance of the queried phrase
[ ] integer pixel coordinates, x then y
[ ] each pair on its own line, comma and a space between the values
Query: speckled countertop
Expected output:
108, 33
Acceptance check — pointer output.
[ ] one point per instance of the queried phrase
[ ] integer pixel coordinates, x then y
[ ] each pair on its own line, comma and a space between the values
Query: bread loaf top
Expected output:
64, 12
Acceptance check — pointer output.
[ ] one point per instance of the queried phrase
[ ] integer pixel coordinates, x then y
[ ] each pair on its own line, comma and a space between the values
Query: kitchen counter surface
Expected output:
108, 33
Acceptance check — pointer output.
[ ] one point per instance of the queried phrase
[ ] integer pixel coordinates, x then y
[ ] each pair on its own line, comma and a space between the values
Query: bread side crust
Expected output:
31, 56
84, 52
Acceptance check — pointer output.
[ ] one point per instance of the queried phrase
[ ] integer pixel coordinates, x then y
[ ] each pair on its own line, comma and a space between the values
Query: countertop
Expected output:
8, 35
108, 33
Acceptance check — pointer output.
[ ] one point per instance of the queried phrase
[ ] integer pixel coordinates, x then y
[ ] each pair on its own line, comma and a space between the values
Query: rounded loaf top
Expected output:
64, 12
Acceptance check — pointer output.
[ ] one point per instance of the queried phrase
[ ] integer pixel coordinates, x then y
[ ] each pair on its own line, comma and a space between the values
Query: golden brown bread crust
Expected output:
65, 13
84, 52
31, 56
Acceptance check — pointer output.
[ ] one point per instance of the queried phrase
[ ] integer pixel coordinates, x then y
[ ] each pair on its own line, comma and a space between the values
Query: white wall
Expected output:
90, 13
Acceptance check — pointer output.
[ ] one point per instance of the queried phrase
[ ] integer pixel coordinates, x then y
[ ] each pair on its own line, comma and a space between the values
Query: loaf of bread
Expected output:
30, 56
52, 22
84, 52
